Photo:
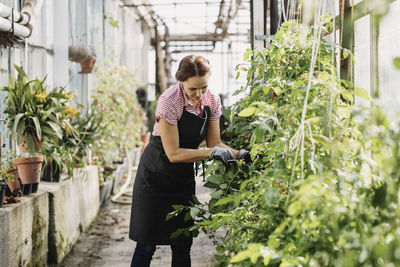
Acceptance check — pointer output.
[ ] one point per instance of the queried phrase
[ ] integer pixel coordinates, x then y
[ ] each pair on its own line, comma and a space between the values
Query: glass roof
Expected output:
185, 17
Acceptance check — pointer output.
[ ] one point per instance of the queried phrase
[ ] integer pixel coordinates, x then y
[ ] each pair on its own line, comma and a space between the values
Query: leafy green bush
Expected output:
71, 151
34, 112
122, 116
328, 197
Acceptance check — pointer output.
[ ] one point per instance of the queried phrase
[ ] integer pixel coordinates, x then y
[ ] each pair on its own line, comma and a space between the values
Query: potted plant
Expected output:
5, 177
33, 114
13, 182
87, 64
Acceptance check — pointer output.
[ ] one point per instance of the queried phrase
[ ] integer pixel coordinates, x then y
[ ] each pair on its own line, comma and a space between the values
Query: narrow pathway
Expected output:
107, 243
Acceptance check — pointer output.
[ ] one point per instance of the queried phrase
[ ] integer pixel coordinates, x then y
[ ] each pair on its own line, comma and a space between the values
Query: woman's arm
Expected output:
170, 141
214, 139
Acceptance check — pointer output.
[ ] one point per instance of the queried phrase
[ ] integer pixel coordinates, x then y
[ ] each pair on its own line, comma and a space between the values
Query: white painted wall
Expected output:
388, 49
77, 22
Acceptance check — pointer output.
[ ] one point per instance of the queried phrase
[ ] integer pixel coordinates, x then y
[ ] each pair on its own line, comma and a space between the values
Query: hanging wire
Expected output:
297, 141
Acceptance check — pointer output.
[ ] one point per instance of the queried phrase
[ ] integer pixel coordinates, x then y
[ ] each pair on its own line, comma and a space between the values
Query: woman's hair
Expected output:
192, 66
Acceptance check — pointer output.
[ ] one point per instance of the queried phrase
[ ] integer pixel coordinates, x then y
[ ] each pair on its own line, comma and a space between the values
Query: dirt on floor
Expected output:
106, 243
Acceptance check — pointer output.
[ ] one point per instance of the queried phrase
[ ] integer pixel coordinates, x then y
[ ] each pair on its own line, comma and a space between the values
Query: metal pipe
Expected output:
20, 18
19, 30
274, 14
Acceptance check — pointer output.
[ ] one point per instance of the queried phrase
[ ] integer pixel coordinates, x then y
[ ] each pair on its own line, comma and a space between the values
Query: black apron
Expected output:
159, 184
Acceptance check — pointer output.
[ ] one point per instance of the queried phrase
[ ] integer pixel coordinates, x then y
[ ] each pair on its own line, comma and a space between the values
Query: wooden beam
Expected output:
347, 38
195, 37
367, 7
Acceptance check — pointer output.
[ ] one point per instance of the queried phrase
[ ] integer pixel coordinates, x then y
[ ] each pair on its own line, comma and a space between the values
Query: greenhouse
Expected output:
199, 133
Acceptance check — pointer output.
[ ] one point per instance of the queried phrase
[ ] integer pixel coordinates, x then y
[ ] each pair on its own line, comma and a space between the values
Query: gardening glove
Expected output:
245, 155
222, 154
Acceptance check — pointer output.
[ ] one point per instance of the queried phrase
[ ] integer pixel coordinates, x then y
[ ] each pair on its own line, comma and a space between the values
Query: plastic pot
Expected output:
3, 187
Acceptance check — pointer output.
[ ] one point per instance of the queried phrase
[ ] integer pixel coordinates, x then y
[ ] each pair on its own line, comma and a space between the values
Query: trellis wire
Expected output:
297, 141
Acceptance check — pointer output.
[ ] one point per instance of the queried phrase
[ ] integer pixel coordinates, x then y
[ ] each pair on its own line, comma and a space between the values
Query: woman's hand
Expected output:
245, 155
222, 154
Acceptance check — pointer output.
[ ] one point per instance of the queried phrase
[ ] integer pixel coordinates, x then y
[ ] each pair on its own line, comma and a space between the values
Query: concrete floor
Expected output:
106, 243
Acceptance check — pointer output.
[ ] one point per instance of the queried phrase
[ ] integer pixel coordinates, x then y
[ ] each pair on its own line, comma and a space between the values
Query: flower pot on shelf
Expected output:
3, 186
87, 64
29, 171
14, 185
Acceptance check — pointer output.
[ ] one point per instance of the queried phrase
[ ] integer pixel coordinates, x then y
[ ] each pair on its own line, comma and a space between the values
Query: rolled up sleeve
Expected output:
167, 111
215, 107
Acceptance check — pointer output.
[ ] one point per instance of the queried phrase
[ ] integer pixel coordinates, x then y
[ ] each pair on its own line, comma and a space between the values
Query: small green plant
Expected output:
7, 164
70, 152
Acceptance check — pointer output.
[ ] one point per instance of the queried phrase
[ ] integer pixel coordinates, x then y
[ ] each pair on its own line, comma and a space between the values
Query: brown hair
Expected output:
192, 66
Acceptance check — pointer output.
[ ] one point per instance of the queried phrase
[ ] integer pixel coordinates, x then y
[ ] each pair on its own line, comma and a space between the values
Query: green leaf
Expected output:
56, 128
194, 212
16, 121
273, 243
247, 54
170, 216
347, 84
195, 200
348, 95
217, 194
277, 90
224, 200
237, 76
358, 91
187, 217
396, 62
37, 127
271, 195
216, 179
176, 233
295, 208
177, 207
261, 131
241, 256
265, 89
345, 53
247, 112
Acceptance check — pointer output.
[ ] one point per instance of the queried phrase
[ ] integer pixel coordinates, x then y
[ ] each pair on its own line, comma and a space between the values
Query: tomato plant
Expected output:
329, 201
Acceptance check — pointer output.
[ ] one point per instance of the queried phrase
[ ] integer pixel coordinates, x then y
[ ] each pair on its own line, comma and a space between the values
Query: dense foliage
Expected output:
122, 121
72, 151
34, 111
331, 201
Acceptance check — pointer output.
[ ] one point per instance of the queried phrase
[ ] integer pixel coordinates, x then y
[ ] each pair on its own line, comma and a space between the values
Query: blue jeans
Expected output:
144, 253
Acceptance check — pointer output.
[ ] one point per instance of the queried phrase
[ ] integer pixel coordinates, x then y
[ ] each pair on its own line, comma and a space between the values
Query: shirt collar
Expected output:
186, 100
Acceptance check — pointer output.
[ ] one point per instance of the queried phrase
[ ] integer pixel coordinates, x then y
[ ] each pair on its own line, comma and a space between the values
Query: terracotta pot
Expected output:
14, 184
23, 146
29, 172
87, 64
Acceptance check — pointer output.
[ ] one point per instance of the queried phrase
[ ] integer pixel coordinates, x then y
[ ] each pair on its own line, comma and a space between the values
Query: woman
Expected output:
187, 113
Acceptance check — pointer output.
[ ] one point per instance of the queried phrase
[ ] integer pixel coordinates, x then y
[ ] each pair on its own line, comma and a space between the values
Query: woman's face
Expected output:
195, 87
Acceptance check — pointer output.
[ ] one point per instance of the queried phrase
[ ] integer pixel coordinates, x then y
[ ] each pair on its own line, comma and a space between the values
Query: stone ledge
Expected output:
73, 205
24, 228
43, 227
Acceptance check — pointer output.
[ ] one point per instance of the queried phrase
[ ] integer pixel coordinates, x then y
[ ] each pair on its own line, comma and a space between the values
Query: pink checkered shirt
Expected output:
171, 103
